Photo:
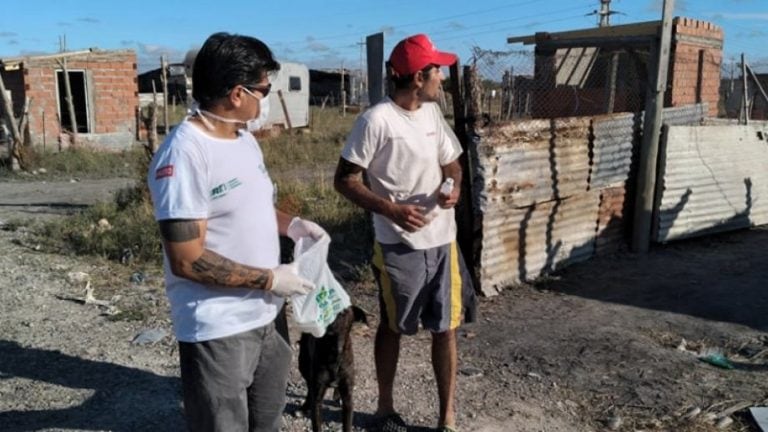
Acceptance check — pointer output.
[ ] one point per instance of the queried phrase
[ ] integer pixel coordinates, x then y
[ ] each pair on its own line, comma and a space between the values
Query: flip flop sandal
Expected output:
447, 429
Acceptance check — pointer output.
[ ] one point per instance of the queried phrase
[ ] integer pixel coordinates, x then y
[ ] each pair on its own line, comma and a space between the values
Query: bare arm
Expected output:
451, 170
283, 220
183, 241
348, 181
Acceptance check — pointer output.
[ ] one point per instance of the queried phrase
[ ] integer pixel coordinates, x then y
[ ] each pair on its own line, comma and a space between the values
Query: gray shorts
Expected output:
420, 285
236, 383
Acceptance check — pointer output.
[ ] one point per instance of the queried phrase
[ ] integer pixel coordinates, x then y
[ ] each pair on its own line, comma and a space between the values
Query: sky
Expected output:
330, 33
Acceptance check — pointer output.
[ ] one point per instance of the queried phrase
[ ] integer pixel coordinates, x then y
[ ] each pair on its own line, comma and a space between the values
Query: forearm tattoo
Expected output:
215, 269
179, 230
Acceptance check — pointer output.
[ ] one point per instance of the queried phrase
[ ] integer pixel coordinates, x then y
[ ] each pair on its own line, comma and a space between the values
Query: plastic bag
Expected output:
313, 312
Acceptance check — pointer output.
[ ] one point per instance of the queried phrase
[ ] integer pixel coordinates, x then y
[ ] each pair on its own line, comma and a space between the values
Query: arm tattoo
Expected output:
179, 230
348, 171
213, 268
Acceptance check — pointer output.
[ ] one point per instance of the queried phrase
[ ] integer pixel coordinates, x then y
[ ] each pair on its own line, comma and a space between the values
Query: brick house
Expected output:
605, 69
104, 92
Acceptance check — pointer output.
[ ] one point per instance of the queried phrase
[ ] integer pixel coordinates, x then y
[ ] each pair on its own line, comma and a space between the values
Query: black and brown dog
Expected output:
328, 361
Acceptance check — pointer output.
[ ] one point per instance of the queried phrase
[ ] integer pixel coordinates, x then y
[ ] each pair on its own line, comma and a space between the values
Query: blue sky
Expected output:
325, 33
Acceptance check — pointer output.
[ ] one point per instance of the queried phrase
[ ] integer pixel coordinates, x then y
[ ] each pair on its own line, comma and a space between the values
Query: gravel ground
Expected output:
599, 346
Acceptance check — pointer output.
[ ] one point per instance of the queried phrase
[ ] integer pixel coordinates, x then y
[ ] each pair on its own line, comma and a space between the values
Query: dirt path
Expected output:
595, 344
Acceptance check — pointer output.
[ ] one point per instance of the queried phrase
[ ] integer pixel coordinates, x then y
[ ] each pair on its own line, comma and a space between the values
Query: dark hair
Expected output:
403, 82
227, 60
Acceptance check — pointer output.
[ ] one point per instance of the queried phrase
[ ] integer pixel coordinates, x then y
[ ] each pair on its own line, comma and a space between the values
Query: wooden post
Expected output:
343, 93
464, 210
7, 113
285, 109
612, 76
744, 94
649, 149
164, 80
138, 123
374, 46
68, 92
152, 128
44, 139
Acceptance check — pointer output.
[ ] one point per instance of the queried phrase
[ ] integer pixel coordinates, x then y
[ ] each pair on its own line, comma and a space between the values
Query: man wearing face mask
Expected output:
213, 200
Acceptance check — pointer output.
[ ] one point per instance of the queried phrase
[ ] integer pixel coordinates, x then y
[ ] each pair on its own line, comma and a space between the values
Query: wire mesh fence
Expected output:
568, 82
519, 84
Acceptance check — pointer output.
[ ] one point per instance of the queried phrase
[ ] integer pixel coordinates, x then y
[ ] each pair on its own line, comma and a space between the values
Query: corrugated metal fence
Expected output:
712, 178
549, 192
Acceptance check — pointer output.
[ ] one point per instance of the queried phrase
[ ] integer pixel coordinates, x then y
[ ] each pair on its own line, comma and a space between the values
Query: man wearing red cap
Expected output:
410, 156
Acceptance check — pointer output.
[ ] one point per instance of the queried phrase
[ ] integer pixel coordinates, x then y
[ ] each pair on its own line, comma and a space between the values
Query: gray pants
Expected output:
236, 383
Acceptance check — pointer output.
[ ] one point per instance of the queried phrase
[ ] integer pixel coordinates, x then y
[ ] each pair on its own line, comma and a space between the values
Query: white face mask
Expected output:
261, 121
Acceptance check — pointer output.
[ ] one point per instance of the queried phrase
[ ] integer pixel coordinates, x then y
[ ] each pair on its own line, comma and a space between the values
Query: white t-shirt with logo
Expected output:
403, 153
195, 176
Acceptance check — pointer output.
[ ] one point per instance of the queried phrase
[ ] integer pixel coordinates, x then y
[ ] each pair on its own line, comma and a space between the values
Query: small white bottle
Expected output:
447, 187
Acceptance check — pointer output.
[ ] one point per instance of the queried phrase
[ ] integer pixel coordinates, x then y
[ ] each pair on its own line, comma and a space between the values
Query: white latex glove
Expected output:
299, 228
286, 282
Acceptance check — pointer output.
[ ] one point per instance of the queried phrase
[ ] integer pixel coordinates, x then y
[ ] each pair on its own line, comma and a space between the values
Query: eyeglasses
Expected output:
263, 89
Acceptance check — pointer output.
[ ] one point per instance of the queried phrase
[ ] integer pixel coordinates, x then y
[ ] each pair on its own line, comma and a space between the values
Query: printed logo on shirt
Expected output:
263, 169
163, 172
224, 188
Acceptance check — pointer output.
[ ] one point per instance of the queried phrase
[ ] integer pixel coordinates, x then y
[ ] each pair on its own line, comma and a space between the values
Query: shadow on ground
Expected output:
122, 399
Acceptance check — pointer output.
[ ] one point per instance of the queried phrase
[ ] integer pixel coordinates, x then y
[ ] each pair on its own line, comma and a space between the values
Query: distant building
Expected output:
178, 88
325, 87
104, 94
598, 70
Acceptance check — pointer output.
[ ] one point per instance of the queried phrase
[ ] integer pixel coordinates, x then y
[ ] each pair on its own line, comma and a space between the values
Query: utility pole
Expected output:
361, 85
649, 148
605, 13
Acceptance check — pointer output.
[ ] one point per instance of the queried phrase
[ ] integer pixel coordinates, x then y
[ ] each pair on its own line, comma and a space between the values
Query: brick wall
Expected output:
112, 93
694, 73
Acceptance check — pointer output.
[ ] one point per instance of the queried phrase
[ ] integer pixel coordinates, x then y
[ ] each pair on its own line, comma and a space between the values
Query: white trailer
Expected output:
293, 82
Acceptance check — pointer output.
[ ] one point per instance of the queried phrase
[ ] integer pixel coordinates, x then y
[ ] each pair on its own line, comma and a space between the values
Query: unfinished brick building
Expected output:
605, 69
104, 94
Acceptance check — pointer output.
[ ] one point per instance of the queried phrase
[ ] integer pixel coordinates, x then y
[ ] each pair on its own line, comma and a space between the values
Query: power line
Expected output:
435, 35
420, 23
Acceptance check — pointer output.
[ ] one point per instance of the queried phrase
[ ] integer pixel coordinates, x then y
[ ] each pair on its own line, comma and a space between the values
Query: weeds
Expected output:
318, 147
80, 162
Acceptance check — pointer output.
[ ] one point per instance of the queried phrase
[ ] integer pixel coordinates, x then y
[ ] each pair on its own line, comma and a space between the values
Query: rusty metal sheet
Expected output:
610, 220
524, 163
520, 244
714, 178
614, 139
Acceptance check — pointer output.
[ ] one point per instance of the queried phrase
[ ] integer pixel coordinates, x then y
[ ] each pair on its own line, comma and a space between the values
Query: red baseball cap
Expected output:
416, 52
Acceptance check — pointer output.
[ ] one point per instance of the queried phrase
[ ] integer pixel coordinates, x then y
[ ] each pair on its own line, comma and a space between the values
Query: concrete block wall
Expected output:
694, 73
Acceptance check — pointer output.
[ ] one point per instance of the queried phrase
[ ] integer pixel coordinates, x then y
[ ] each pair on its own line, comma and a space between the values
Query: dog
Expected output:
328, 361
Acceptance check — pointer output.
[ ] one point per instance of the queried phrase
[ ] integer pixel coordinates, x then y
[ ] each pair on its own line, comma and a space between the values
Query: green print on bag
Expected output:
329, 303
224, 188
314, 311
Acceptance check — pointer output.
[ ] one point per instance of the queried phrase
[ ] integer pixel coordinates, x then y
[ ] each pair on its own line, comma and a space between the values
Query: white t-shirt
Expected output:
403, 153
195, 176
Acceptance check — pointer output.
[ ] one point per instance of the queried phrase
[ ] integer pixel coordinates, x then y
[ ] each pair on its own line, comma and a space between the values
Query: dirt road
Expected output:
599, 344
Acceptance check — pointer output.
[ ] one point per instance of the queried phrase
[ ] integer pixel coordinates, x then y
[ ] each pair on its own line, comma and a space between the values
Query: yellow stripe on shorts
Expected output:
456, 284
386, 287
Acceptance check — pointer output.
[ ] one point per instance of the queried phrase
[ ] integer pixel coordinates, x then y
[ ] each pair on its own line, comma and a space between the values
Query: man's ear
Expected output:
236, 96
419, 79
